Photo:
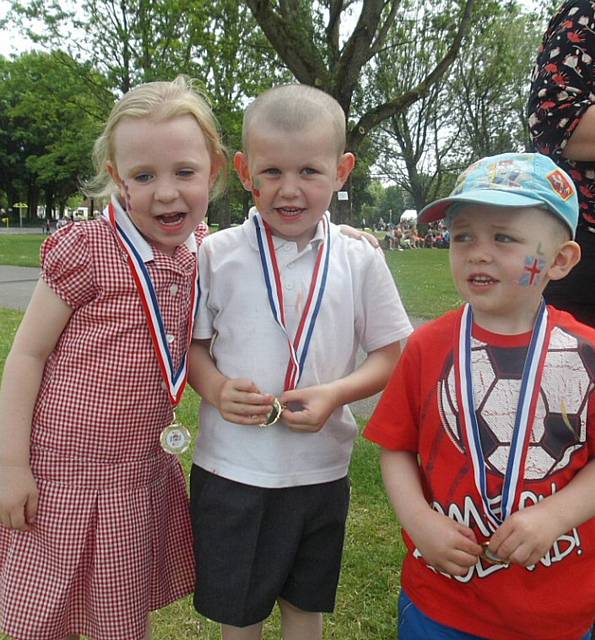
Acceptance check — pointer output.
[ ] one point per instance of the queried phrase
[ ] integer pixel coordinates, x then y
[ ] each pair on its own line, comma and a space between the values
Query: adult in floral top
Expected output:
562, 125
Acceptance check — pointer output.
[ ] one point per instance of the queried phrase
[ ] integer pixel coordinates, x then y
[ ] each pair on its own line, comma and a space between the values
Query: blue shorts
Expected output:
415, 625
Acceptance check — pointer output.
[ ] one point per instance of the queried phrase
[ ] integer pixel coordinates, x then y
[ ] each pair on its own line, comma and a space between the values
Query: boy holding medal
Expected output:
486, 426
286, 300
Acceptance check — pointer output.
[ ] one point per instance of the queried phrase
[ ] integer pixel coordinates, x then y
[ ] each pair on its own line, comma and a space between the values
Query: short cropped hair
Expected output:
158, 101
294, 107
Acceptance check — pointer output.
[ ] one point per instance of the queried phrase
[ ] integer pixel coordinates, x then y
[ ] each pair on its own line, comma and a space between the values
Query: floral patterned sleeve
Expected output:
562, 89
562, 82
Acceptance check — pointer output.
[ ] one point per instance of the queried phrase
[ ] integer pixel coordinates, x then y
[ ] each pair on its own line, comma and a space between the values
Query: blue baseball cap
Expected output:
512, 180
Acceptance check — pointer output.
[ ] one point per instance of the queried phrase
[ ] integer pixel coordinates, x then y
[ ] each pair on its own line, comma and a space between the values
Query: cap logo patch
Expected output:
560, 184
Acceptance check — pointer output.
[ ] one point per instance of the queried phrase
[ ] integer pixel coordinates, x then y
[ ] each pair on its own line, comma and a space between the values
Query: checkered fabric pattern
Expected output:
113, 539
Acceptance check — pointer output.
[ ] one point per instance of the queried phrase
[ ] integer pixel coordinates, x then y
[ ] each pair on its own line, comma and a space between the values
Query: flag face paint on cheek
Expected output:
533, 271
256, 188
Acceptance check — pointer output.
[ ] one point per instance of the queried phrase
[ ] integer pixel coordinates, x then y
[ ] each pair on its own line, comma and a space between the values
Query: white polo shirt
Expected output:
361, 307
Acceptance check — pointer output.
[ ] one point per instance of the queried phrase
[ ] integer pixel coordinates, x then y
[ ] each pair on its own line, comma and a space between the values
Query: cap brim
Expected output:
437, 210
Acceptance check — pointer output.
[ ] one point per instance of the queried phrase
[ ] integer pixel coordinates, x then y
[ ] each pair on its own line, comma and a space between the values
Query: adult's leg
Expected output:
252, 632
298, 624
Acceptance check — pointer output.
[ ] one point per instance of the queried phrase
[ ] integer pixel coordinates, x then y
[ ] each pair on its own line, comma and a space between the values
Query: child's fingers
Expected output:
247, 410
17, 519
31, 508
245, 385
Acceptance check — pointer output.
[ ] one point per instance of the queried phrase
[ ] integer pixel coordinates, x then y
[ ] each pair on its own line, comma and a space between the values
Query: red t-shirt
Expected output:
555, 599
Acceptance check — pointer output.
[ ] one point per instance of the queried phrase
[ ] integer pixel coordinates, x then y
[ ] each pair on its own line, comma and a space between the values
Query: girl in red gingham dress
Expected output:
94, 521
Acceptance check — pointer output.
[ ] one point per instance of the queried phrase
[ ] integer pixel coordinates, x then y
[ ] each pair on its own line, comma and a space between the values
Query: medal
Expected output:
298, 347
489, 557
274, 415
175, 438
523, 424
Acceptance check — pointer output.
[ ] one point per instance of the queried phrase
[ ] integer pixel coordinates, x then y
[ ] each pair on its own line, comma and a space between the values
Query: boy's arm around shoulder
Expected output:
41, 327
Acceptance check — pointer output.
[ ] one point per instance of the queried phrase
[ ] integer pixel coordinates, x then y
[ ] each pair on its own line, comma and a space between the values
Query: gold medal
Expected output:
175, 438
274, 415
491, 558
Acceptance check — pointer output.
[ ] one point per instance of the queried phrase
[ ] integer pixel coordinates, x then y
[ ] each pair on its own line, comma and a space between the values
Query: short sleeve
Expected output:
395, 422
201, 232
562, 81
380, 317
203, 323
66, 265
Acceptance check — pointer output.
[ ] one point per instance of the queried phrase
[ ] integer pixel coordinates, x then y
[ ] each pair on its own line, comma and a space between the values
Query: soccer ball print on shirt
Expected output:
559, 428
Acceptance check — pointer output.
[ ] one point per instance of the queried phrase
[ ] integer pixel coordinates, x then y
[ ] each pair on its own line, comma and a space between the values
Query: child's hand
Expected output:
18, 497
351, 232
241, 402
446, 545
526, 536
315, 406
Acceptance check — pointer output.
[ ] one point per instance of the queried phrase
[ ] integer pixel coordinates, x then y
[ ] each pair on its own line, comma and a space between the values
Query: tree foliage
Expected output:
49, 118
437, 84
311, 39
478, 109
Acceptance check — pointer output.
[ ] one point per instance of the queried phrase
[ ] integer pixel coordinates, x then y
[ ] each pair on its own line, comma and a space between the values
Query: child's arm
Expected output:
36, 338
318, 402
238, 399
527, 535
446, 545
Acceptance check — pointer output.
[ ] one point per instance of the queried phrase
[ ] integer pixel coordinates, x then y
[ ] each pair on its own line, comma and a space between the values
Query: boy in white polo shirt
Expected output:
286, 301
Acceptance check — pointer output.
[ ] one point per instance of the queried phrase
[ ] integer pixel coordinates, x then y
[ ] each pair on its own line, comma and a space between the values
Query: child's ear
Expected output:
240, 162
111, 169
216, 168
344, 168
567, 257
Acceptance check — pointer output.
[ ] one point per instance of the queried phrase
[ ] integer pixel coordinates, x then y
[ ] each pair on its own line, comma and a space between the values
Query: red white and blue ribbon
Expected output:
298, 348
175, 379
525, 414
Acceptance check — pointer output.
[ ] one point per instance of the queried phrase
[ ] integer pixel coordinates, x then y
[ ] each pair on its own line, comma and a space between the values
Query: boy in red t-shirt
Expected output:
486, 426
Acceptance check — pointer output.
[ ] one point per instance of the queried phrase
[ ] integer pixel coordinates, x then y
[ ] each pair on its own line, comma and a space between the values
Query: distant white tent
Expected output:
409, 215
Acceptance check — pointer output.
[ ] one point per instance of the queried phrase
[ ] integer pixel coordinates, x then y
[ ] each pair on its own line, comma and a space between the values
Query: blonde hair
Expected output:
160, 101
294, 107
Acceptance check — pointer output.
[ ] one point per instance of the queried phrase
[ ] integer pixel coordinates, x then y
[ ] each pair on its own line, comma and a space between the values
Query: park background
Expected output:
427, 88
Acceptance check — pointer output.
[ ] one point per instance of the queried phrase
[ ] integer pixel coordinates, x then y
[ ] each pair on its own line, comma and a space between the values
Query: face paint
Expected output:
127, 196
256, 188
533, 271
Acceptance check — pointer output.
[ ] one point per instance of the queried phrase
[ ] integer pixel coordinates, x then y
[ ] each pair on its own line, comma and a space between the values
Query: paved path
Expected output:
17, 284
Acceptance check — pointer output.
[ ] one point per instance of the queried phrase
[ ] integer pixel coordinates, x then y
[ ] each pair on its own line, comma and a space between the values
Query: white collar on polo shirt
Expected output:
318, 235
140, 244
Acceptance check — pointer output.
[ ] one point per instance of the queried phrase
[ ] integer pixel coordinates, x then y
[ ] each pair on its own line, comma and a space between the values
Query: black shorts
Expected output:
254, 545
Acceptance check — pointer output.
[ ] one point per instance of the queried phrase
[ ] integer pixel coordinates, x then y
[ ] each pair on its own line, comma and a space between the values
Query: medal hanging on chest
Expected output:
175, 438
523, 422
298, 347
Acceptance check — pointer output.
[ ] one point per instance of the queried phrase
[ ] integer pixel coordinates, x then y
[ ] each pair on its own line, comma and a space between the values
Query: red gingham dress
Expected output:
112, 540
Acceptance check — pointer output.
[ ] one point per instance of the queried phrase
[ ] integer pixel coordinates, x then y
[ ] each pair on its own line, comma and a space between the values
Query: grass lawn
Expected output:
422, 275
20, 250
